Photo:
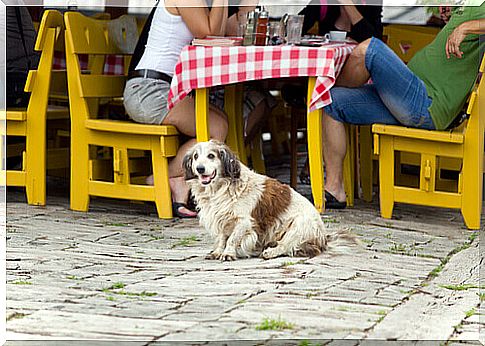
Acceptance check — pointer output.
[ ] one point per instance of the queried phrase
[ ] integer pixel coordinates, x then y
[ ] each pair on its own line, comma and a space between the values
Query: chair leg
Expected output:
386, 176
163, 195
365, 162
293, 149
79, 174
472, 185
349, 168
257, 154
35, 184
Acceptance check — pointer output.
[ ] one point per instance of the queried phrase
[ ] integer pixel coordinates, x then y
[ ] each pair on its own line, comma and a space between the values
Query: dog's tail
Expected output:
340, 240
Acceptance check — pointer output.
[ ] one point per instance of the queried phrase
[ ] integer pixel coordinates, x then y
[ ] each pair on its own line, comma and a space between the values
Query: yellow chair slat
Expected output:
400, 131
16, 178
16, 115
102, 86
129, 127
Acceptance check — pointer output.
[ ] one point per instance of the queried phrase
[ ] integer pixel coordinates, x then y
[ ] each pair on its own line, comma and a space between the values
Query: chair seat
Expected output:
455, 136
130, 127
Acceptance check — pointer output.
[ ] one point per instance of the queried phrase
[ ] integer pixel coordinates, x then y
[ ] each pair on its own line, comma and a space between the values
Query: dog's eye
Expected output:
211, 156
196, 156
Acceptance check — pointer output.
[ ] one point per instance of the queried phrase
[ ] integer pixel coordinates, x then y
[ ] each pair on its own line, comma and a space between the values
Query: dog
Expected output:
250, 214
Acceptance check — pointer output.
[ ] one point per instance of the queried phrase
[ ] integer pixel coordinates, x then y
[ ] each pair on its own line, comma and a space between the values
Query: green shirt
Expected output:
449, 81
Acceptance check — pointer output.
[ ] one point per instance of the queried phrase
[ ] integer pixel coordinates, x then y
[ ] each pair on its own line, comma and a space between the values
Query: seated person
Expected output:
428, 93
21, 56
170, 27
257, 103
360, 22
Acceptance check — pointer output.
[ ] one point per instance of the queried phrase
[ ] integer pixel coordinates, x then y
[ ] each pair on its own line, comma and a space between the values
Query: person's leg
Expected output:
403, 93
182, 116
334, 149
360, 106
354, 73
255, 121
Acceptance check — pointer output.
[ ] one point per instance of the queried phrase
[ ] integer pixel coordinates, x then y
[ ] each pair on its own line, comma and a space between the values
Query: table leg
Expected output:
202, 114
233, 106
315, 147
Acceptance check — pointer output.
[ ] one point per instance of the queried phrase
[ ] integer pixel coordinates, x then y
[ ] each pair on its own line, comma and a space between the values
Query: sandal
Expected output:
176, 211
332, 203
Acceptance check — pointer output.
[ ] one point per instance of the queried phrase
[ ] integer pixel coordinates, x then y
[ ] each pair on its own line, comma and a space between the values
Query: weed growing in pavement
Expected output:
470, 313
434, 273
459, 287
187, 241
397, 248
22, 282
73, 277
110, 298
271, 324
308, 343
481, 296
16, 315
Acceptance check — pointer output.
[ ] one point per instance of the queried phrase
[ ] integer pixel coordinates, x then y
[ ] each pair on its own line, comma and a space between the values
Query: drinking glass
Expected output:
275, 34
294, 28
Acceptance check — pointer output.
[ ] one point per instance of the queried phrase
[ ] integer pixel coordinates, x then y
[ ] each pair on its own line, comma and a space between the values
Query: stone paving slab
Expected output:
120, 273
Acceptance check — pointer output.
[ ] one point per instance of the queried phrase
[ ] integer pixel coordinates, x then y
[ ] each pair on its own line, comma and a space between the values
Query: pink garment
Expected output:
323, 9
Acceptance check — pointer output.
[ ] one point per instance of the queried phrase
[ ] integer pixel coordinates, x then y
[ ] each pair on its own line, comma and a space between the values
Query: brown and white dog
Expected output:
250, 214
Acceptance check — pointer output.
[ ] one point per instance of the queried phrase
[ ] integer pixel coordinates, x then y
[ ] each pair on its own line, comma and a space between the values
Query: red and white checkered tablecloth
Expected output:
114, 65
202, 67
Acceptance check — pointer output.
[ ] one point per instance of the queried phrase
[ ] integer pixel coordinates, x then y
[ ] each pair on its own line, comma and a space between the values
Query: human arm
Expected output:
365, 21
243, 8
200, 21
457, 36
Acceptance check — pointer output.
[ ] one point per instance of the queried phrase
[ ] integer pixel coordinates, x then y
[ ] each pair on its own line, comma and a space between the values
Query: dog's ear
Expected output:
187, 165
232, 167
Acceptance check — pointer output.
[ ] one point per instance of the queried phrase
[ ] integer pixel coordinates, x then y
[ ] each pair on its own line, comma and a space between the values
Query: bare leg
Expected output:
255, 120
183, 118
354, 73
334, 149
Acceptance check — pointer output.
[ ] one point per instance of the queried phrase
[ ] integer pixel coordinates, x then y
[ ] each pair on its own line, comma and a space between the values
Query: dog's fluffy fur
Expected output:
250, 214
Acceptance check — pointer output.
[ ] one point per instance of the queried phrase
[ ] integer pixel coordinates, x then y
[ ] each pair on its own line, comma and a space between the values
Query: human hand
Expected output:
453, 42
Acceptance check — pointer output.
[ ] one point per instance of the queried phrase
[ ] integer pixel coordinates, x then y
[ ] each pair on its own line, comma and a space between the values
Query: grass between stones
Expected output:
22, 282
113, 289
434, 273
272, 324
459, 287
187, 241
16, 315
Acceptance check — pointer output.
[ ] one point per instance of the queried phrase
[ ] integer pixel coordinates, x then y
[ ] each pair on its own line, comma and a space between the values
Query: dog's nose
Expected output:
200, 169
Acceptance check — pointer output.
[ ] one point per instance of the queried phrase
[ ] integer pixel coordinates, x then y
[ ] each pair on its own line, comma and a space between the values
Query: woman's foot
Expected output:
180, 192
180, 195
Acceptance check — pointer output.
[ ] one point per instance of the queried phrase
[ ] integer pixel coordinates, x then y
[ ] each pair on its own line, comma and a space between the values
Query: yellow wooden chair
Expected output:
406, 40
88, 36
463, 143
31, 123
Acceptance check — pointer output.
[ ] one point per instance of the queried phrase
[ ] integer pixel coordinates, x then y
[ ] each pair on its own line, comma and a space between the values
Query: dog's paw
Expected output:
214, 255
227, 257
270, 253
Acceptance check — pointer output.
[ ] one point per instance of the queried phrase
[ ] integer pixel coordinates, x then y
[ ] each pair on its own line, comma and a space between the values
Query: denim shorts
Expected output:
395, 97
145, 100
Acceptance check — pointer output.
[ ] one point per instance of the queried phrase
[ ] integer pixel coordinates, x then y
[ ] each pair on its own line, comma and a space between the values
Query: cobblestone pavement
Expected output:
120, 273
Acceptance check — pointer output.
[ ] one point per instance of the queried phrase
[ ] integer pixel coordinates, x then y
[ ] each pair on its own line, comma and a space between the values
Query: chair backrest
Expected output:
97, 39
407, 40
49, 38
476, 102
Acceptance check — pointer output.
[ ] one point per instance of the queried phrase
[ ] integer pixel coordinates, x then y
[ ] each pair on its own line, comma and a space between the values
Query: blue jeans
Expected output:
396, 96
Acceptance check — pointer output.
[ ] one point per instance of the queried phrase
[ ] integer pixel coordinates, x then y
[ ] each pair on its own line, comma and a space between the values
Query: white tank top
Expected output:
168, 35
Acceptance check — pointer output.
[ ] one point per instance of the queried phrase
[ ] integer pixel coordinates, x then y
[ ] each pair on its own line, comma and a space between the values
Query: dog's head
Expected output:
210, 161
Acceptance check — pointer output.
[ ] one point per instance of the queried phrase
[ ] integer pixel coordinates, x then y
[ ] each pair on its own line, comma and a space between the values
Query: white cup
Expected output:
336, 36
